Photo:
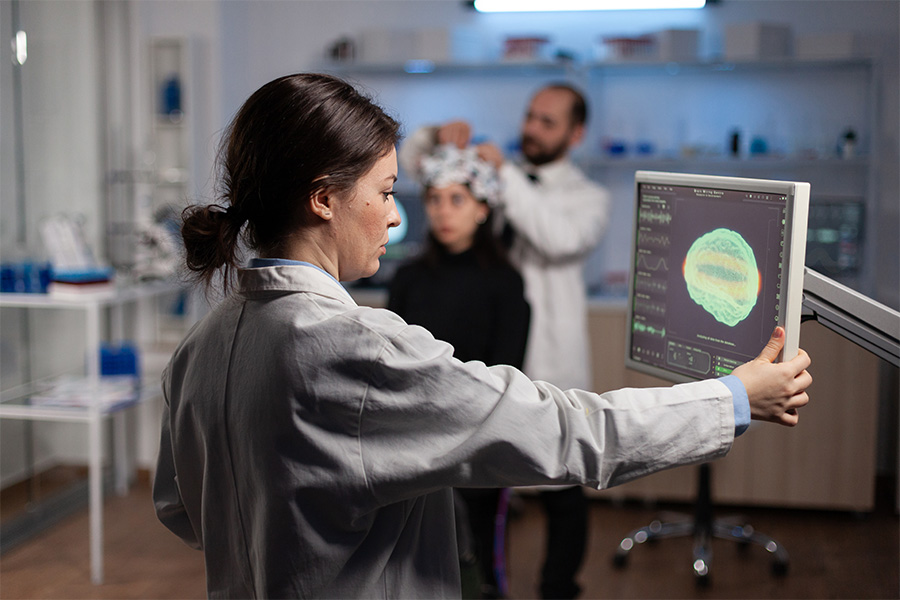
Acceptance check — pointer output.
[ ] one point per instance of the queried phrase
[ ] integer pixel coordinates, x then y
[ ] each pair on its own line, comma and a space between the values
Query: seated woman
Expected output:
464, 291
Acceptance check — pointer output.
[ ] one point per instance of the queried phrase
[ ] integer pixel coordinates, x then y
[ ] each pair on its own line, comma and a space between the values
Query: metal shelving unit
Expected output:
23, 403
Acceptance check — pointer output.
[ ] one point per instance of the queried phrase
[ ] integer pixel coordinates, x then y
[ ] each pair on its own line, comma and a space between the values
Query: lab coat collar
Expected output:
291, 278
552, 171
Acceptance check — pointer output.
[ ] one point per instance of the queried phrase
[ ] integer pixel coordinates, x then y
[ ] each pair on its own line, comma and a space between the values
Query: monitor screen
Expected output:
717, 263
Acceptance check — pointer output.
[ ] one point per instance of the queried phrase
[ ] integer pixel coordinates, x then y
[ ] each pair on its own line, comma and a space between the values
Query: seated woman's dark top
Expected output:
478, 308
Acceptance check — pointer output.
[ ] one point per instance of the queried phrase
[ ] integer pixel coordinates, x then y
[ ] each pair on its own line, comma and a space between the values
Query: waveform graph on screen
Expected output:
722, 276
659, 331
652, 263
654, 216
650, 240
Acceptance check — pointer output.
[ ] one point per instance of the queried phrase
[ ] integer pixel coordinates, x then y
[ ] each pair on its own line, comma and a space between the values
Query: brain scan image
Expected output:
721, 275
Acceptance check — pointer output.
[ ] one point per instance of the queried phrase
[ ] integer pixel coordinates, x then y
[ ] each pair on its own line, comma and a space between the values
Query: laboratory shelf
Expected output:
427, 67
108, 297
725, 66
31, 401
689, 110
763, 163
87, 405
620, 67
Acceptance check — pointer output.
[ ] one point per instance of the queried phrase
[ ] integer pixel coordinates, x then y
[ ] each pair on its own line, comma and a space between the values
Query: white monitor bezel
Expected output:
792, 273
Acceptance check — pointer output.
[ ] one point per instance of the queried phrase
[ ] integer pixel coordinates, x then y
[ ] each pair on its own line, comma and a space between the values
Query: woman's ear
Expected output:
320, 203
482, 213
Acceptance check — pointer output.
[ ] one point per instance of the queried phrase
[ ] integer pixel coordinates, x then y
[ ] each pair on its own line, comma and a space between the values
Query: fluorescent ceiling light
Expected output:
570, 5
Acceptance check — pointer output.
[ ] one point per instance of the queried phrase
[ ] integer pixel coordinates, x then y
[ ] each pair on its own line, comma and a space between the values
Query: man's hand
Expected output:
776, 390
457, 133
490, 154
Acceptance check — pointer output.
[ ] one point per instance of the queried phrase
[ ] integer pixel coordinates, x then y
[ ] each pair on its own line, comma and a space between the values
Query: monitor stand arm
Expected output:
860, 319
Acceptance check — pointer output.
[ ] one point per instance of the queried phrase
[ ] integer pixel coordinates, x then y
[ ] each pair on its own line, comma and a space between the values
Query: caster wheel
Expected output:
779, 569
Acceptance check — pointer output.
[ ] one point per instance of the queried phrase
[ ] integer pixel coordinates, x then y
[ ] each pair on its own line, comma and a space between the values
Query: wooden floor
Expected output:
833, 555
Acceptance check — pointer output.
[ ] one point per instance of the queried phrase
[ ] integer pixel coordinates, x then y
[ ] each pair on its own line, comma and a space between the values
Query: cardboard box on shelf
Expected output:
755, 41
383, 46
678, 44
432, 44
827, 45
629, 48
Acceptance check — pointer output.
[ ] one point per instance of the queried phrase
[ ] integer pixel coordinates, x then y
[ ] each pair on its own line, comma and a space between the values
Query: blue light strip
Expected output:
418, 66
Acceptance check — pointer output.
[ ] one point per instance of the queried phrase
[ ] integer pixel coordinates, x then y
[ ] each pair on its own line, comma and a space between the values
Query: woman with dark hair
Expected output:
309, 445
465, 292
270, 166
462, 288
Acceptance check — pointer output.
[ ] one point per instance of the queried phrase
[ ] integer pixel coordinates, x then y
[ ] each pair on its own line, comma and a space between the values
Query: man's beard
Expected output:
541, 155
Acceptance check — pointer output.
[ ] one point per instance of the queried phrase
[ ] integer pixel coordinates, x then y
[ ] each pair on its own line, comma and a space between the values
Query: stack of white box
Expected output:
757, 41
824, 46
382, 46
678, 44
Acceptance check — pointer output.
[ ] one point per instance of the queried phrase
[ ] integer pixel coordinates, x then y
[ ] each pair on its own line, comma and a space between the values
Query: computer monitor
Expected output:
717, 263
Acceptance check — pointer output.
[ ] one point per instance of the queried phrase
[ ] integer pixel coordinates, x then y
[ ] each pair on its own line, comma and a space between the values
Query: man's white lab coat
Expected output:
558, 221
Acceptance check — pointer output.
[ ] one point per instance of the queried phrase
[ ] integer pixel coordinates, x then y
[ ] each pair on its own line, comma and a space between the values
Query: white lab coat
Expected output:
309, 445
558, 222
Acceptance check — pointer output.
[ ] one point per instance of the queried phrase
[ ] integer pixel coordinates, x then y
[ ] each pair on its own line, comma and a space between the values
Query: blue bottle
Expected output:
171, 97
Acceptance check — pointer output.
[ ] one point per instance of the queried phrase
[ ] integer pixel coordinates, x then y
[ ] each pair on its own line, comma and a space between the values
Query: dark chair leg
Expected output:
703, 527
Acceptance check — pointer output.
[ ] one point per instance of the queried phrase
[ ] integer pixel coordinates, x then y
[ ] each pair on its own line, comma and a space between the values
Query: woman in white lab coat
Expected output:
309, 445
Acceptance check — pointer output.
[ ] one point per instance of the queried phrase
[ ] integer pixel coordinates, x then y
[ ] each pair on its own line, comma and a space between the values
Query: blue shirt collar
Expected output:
256, 263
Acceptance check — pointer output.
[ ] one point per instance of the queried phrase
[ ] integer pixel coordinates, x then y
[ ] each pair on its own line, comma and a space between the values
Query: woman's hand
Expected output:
776, 390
